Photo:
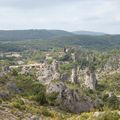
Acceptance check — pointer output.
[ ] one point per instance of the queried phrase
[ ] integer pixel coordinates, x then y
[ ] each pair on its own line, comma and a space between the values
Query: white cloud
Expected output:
94, 15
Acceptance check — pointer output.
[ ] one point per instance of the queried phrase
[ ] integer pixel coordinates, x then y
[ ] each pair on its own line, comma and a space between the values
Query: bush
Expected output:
41, 98
14, 72
113, 103
18, 103
51, 98
108, 116
66, 57
39, 93
0, 101
65, 68
46, 113
84, 116
49, 61
105, 97
30, 88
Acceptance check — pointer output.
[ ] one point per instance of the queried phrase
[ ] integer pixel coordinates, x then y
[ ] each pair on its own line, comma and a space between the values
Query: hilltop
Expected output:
89, 33
19, 40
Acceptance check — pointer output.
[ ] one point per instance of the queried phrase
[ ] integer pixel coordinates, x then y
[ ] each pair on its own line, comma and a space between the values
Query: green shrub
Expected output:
49, 61
0, 101
105, 97
14, 72
108, 116
46, 113
113, 102
40, 93
84, 116
18, 103
31, 89
40, 98
51, 98
66, 57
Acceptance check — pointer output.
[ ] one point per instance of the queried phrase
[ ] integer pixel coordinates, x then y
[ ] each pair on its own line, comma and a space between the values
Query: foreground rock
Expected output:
70, 100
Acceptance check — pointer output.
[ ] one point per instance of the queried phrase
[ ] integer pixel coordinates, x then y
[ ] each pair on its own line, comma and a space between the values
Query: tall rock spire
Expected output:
74, 75
90, 78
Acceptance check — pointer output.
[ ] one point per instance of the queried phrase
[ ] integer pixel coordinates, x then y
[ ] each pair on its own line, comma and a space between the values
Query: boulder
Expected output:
73, 102
69, 100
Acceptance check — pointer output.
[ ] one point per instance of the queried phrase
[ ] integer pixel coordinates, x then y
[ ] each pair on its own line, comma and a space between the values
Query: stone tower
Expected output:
90, 78
74, 77
55, 73
55, 65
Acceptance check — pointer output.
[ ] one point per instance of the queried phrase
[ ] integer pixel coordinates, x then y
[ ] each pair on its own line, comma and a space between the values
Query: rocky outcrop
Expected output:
2, 74
4, 95
69, 100
55, 87
73, 102
48, 73
90, 78
55, 65
74, 72
113, 63
74, 76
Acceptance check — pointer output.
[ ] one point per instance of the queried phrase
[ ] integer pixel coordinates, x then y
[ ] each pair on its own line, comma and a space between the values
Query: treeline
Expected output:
48, 39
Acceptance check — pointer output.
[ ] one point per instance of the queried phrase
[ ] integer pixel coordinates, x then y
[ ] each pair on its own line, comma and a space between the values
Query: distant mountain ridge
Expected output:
31, 34
88, 33
40, 34
18, 40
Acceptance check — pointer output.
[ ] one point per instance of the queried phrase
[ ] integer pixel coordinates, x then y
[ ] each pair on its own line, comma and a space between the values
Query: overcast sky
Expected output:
71, 15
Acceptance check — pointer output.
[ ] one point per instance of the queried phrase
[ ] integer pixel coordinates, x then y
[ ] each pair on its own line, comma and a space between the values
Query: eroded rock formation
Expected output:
68, 99
90, 78
48, 73
74, 76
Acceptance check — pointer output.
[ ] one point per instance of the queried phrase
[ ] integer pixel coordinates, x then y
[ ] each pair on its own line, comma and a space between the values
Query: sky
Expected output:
70, 15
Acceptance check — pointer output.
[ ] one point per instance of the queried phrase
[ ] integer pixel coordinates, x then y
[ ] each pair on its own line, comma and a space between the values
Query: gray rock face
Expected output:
74, 56
2, 74
49, 73
74, 73
113, 63
4, 95
68, 99
73, 102
6, 69
55, 87
74, 77
55, 65
90, 79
